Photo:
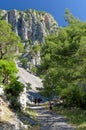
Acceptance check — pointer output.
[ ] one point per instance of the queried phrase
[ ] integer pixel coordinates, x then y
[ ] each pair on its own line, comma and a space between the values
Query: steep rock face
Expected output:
31, 24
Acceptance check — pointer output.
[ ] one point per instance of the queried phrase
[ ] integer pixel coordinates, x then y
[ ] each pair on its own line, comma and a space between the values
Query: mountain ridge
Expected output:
30, 24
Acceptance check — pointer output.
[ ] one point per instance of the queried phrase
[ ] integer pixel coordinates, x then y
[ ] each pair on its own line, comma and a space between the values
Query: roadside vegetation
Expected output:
76, 116
63, 68
63, 64
10, 43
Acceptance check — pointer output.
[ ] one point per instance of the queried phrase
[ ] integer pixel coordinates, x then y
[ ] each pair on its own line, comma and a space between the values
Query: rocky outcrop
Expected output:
23, 99
31, 24
10, 120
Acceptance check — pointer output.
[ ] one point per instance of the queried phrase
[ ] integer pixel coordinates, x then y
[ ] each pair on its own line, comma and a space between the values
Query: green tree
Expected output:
14, 88
8, 71
73, 96
9, 41
69, 17
65, 54
24, 62
12, 92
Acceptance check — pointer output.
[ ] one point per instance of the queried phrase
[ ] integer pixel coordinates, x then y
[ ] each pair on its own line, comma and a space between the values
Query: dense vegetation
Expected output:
9, 45
63, 63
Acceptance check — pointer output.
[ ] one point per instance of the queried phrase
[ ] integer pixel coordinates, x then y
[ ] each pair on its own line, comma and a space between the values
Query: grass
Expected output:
76, 116
32, 113
36, 127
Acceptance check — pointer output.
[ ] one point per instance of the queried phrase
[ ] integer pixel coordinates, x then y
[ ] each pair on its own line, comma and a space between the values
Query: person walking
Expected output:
35, 101
50, 105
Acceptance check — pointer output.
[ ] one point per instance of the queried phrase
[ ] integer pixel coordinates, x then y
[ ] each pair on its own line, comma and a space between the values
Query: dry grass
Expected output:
32, 113
37, 127
5, 113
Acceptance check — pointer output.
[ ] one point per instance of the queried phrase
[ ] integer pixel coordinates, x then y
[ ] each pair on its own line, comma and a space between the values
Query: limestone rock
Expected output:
31, 24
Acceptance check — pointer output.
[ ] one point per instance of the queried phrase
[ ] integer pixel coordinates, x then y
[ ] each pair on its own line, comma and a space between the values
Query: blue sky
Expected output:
54, 7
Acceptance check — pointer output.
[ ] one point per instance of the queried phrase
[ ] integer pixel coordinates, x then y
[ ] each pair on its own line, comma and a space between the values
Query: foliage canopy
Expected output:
10, 43
63, 62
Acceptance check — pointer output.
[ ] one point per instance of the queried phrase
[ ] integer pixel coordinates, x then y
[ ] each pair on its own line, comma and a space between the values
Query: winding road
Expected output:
47, 119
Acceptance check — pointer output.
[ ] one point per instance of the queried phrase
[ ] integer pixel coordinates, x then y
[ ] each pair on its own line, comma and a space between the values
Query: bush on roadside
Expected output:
12, 92
74, 96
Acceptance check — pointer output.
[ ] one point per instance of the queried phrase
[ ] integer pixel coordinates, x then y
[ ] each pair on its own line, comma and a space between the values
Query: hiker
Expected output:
51, 105
35, 100
39, 100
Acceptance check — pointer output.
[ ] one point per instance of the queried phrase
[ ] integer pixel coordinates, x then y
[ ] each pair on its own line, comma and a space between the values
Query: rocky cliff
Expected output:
30, 24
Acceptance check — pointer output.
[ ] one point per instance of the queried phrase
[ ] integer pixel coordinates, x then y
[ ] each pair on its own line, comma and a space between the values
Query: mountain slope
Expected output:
30, 24
26, 77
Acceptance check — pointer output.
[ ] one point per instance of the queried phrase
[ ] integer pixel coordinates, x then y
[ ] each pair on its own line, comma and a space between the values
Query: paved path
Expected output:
50, 121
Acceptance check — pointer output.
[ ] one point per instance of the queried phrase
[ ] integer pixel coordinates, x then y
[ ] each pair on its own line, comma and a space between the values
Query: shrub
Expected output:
12, 91
14, 88
14, 103
73, 96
